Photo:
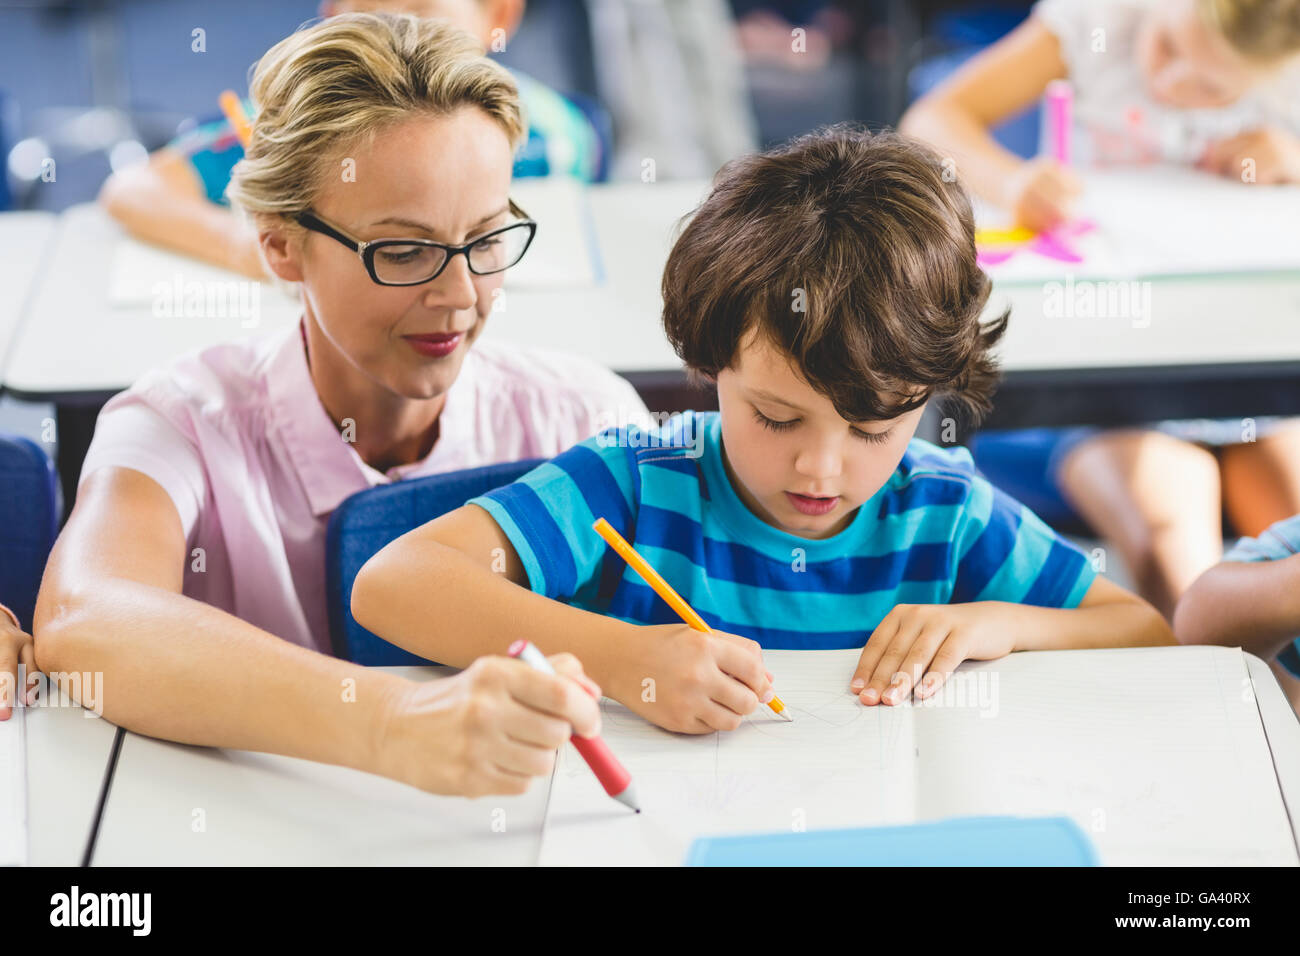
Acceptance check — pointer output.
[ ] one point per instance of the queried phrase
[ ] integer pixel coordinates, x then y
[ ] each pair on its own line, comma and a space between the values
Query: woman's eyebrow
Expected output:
425, 227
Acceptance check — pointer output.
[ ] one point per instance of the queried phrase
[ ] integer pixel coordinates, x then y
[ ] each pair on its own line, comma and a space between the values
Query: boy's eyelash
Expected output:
873, 437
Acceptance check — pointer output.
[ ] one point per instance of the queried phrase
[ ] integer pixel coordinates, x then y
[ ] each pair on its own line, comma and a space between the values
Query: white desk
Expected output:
24, 241
68, 751
267, 809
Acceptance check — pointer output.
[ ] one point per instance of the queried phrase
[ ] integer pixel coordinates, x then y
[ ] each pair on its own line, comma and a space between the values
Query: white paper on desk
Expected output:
13, 789
1166, 221
563, 254
139, 269
1157, 753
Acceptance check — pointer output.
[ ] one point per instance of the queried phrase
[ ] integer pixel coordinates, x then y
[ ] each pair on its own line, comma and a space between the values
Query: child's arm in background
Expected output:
162, 201
932, 639
455, 589
1254, 605
1270, 153
957, 116
15, 648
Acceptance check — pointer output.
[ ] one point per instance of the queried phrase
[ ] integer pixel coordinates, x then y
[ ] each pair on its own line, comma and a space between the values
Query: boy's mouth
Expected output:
806, 504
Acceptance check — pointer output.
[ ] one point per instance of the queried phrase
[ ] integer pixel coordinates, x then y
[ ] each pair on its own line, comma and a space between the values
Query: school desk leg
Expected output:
76, 426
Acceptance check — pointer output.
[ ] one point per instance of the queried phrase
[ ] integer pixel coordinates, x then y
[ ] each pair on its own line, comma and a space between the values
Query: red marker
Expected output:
613, 776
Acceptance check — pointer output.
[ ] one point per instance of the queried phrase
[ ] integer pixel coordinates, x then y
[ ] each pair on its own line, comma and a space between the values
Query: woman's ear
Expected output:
283, 254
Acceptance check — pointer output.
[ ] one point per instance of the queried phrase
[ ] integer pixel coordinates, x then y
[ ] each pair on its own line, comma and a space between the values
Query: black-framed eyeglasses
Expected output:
416, 261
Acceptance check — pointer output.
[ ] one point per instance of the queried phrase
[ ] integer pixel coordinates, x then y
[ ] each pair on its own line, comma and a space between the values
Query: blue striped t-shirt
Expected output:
935, 533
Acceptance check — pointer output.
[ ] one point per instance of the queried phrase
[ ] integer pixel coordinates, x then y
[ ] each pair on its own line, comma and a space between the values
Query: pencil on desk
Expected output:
234, 110
652, 577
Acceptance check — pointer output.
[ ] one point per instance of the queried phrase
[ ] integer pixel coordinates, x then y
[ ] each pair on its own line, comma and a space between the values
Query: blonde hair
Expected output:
330, 86
1264, 31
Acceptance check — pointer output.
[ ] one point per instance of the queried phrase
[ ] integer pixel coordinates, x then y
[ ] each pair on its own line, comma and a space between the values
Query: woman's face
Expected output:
445, 178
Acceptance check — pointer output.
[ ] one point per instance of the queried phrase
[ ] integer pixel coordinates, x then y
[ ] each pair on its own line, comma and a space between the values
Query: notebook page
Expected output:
1157, 753
13, 789
838, 764
1167, 220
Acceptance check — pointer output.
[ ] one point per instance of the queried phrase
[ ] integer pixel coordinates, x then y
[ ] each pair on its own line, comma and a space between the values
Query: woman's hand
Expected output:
914, 639
1041, 194
691, 681
489, 730
16, 648
1273, 153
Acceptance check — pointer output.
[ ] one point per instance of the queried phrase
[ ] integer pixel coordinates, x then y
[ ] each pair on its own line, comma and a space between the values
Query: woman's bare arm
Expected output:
177, 668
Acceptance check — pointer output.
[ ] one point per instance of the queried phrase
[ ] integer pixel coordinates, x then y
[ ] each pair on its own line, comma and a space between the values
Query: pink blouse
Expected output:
238, 438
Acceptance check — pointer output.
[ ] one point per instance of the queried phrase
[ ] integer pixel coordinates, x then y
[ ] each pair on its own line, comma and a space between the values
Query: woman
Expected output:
191, 572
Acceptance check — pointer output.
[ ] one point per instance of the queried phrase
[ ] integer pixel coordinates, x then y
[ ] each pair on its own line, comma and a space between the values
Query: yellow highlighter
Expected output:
665, 591
234, 110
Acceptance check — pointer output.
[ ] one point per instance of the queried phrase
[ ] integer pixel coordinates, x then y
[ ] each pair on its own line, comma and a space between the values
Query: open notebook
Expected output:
1166, 221
13, 789
1158, 754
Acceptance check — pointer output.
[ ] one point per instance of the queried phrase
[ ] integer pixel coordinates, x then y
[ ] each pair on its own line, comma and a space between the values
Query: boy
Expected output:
829, 288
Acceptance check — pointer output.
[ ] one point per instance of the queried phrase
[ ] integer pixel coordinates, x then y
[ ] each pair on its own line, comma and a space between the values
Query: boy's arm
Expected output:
1108, 616
454, 589
162, 201
1254, 605
920, 645
1000, 82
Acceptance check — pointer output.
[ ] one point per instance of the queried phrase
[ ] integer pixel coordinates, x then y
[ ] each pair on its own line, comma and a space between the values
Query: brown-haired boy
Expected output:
829, 287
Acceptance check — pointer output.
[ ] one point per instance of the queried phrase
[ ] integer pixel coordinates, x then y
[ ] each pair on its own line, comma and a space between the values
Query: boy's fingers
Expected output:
733, 695
914, 664
876, 646
886, 672
946, 660
744, 662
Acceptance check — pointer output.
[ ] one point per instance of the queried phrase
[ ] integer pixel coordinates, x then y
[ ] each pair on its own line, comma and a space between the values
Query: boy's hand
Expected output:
489, 730
1041, 194
15, 647
916, 638
1275, 154
691, 681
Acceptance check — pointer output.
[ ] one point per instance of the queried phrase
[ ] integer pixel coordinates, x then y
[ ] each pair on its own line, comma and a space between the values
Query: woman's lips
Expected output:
812, 506
435, 345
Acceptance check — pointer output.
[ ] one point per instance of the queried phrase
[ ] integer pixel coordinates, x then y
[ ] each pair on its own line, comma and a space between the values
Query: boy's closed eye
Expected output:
779, 425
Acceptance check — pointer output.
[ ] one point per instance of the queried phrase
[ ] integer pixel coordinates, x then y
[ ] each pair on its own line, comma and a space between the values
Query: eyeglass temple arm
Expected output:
313, 222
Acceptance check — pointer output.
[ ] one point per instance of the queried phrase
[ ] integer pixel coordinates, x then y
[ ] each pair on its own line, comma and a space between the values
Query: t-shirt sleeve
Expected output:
212, 149
548, 514
1005, 552
131, 434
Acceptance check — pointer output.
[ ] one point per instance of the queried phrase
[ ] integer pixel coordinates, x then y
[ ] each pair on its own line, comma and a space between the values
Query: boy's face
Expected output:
1187, 63
807, 474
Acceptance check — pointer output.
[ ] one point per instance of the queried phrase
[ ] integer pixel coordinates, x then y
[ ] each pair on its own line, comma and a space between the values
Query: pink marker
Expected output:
613, 776
1060, 109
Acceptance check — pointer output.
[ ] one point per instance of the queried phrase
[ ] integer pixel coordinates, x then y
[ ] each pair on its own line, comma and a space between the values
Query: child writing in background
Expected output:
830, 289
1209, 83
178, 199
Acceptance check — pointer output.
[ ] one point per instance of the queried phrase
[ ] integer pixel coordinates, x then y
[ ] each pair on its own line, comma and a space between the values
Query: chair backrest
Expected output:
370, 519
29, 522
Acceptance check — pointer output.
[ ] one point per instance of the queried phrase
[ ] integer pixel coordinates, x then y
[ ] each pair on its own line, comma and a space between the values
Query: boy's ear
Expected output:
283, 255
505, 14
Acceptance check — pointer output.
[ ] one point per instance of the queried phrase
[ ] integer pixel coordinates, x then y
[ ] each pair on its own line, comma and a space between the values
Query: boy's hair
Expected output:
329, 86
852, 252
1264, 31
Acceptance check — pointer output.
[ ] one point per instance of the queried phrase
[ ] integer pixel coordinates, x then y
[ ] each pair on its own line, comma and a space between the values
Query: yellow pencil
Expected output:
234, 110
652, 577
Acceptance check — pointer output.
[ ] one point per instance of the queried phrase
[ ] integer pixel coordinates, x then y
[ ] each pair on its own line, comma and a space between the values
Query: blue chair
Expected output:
29, 522
370, 519
1022, 462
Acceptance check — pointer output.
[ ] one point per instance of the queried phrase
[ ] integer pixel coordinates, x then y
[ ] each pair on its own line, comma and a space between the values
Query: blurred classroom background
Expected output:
95, 84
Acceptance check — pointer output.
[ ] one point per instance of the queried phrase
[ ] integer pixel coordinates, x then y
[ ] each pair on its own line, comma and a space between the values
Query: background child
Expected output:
1252, 600
1205, 82
830, 288
178, 198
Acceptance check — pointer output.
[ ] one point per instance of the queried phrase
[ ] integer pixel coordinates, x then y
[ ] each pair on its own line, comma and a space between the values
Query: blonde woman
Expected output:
1208, 83
191, 572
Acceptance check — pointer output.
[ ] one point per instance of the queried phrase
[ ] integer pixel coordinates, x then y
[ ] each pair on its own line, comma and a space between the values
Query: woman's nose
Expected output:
453, 289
